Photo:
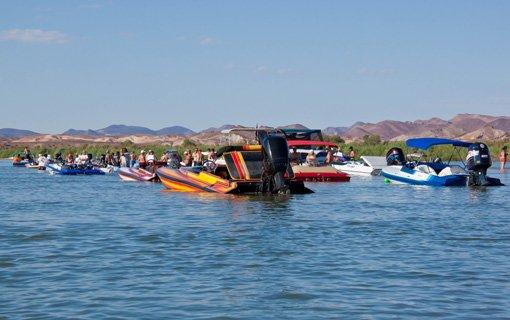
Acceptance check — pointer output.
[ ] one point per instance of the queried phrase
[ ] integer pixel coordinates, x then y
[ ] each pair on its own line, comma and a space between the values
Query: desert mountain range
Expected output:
462, 126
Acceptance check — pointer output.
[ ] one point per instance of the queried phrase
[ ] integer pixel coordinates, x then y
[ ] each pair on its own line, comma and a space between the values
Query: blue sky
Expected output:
88, 64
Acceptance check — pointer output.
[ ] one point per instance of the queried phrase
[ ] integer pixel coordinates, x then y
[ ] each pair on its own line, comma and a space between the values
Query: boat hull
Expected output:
183, 180
408, 176
357, 169
131, 174
319, 174
70, 171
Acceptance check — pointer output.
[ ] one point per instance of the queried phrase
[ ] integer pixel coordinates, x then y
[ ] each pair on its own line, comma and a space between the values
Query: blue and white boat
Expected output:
435, 173
64, 169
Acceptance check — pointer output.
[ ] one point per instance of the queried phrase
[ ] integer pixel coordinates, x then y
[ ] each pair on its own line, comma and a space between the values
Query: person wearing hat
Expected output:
142, 162
503, 158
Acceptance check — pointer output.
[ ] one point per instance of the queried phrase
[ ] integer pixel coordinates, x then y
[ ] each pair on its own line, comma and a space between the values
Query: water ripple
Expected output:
93, 247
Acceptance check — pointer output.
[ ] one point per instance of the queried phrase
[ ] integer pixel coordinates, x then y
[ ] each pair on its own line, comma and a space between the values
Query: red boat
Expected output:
318, 172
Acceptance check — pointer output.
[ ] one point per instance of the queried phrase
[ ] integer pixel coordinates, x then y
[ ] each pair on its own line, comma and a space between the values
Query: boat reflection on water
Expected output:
240, 204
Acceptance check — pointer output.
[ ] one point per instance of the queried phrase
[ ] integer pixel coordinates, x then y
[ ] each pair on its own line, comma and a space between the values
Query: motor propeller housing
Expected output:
478, 160
276, 161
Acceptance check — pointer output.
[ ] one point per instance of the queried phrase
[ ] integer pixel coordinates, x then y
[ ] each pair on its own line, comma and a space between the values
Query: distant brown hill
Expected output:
462, 126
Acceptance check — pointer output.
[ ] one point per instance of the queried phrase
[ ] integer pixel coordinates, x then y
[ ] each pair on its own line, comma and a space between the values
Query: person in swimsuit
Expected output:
503, 158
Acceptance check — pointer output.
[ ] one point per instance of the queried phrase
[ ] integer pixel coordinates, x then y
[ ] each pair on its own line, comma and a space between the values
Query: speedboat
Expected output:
263, 167
73, 169
319, 172
437, 173
366, 166
136, 174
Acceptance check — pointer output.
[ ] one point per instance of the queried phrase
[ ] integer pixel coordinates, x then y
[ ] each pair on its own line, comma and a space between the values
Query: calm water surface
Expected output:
95, 247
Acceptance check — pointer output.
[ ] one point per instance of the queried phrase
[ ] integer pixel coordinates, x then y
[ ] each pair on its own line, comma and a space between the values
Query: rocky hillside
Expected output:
462, 126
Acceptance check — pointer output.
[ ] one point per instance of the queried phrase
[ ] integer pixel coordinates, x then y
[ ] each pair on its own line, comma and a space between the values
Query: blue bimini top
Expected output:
425, 143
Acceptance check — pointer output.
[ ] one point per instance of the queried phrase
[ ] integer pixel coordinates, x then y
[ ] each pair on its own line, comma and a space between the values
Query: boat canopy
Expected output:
425, 143
303, 134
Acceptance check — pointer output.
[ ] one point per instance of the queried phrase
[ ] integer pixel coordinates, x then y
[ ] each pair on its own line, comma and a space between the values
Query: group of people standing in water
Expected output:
124, 158
144, 159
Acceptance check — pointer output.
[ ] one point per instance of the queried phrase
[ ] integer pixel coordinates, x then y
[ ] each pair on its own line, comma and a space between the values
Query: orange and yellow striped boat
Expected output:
187, 181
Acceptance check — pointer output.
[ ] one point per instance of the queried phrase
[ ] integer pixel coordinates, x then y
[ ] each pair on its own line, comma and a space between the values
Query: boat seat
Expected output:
426, 169
453, 170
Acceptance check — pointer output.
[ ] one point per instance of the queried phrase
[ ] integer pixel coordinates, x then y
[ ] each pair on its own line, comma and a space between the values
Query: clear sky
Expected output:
88, 64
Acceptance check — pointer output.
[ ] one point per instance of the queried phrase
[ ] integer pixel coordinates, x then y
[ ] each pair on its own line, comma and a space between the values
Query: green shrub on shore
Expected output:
371, 146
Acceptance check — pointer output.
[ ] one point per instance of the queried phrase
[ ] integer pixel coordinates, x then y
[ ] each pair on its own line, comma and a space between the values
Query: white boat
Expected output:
366, 166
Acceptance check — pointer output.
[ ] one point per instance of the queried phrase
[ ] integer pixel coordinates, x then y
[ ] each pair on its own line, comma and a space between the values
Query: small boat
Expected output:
366, 166
73, 169
437, 173
32, 165
257, 168
21, 163
109, 169
136, 174
320, 172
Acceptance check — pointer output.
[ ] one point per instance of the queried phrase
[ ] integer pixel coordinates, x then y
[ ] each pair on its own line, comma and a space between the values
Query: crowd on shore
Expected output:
122, 158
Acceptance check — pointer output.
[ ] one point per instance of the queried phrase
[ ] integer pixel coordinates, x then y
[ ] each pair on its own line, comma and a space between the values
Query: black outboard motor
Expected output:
276, 162
478, 160
395, 157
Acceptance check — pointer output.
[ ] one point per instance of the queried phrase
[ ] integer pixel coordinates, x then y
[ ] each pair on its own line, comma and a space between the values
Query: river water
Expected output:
96, 247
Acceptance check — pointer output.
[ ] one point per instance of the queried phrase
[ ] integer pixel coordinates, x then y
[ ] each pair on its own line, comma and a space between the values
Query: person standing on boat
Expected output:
352, 153
329, 157
212, 155
150, 157
124, 158
187, 159
503, 158
198, 157
294, 157
132, 161
70, 158
27, 155
41, 162
141, 159
311, 159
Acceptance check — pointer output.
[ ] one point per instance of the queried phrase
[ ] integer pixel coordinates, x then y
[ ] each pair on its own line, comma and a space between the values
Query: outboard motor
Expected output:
478, 160
276, 162
395, 157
